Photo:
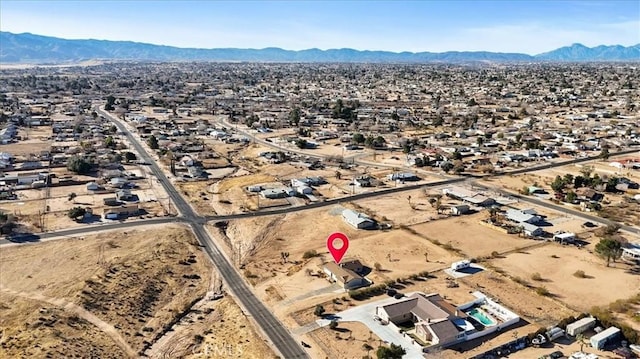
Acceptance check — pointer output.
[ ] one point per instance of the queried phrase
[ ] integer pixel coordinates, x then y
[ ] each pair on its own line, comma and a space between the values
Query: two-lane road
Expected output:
277, 333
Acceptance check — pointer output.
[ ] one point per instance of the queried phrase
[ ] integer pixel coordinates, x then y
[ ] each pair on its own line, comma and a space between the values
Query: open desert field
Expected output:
406, 208
114, 293
601, 285
469, 236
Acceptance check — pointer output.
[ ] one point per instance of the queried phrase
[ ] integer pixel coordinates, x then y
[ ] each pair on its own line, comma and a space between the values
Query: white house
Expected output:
358, 220
522, 216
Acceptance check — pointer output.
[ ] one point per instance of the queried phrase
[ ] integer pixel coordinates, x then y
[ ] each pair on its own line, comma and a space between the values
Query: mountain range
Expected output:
37, 49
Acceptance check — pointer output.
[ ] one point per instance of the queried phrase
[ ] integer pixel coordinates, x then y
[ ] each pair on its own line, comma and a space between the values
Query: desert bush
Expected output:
543, 291
309, 254
536, 276
520, 281
619, 306
579, 274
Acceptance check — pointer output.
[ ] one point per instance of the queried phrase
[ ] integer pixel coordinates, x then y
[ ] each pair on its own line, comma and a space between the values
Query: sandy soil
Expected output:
345, 342
36, 329
472, 238
557, 274
228, 333
153, 275
403, 209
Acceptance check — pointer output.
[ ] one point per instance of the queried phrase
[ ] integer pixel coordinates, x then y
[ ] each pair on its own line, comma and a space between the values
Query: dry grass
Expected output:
137, 282
243, 181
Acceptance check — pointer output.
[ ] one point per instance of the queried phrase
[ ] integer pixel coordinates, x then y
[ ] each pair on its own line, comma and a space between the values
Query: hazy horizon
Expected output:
529, 27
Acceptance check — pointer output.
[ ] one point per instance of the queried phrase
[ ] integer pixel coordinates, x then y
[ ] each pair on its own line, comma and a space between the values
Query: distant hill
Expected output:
579, 52
29, 48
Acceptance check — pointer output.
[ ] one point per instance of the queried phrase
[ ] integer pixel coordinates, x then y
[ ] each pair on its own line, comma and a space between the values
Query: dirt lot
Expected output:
228, 332
151, 275
557, 274
472, 238
403, 209
345, 342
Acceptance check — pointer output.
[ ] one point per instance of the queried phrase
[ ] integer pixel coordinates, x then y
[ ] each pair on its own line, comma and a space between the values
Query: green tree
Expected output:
604, 153
76, 213
391, 352
110, 102
78, 165
333, 324
301, 143
152, 141
571, 197
110, 142
129, 156
319, 311
558, 184
358, 138
294, 116
72, 196
446, 166
609, 249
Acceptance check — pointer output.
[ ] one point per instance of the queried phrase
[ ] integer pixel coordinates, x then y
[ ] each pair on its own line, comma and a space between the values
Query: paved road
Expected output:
277, 333
74, 232
269, 324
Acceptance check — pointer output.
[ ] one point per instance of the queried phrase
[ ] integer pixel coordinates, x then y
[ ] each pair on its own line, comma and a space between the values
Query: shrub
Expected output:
520, 281
333, 325
319, 311
630, 334
619, 306
495, 254
543, 291
579, 274
536, 276
309, 254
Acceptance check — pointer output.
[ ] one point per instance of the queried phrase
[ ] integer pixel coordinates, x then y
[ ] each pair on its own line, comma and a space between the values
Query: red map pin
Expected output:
337, 253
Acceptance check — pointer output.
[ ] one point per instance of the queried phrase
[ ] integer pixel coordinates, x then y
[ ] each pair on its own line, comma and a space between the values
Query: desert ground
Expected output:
292, 286
113, 294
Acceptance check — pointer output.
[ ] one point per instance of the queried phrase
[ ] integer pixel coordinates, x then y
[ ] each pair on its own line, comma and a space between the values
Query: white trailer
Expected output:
599, 340
460, 265
580, 326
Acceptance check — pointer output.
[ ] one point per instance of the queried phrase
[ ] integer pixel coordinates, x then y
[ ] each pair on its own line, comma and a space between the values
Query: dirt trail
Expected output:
105, 327
178, 341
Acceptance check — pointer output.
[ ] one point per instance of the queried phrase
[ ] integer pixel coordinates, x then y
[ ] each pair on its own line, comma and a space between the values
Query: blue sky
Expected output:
508, 26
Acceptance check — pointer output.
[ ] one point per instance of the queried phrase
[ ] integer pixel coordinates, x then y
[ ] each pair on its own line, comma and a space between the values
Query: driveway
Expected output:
388, 333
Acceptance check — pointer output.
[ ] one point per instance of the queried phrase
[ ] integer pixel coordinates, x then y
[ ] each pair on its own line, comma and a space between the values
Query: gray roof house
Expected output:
437, 321
358, 220
522, 216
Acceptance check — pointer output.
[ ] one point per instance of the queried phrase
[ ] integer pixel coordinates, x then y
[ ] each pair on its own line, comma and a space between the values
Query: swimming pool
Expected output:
481, 317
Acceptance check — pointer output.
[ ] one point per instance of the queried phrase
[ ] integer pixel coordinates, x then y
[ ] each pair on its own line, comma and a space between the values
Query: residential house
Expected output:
403, 177
358, 220
120, 211
349, 274
531, 230
124, 195
441, 323
522, 216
